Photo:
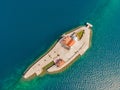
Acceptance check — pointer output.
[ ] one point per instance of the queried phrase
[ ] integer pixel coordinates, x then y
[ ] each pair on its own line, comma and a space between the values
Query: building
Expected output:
59, 62
71, 43
68, 41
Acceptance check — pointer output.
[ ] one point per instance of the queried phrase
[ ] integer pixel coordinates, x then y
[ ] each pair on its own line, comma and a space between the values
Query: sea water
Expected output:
29, 27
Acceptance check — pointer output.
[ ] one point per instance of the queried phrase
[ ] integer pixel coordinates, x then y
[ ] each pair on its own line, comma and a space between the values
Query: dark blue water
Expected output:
28, 28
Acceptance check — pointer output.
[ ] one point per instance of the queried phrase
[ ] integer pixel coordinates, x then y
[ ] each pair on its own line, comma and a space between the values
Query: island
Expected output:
71, 45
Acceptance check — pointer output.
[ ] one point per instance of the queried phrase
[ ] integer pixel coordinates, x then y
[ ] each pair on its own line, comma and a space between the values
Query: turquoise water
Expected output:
28, 28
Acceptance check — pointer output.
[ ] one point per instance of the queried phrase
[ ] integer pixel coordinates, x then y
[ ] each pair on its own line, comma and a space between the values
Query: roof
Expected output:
59, 62
68, 41
71, 43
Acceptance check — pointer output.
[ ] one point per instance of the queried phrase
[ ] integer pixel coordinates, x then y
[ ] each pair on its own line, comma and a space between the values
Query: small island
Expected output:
71, 45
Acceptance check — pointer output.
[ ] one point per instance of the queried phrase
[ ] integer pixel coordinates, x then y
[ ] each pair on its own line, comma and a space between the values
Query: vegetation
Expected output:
49, 65
80, 34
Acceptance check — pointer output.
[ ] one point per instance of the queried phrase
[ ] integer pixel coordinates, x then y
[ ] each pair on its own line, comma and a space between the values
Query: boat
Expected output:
72, 44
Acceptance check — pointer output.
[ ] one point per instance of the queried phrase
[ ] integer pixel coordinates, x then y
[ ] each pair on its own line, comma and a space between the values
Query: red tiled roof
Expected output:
71, 42
68, 41
59, 63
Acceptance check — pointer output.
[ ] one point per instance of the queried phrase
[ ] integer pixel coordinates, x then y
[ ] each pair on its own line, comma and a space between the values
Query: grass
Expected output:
46, 67
80, 34
49, 65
